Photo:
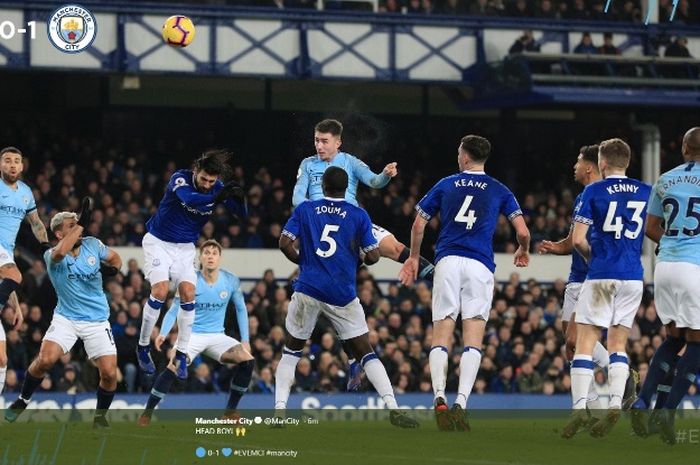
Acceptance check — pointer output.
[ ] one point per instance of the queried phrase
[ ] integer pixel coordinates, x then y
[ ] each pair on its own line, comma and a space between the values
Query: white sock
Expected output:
600, 355
618, 371
468, 369
3, 373
593, 399
581, 378
151, 312
284, 376
438, 369
376, 373
185, 319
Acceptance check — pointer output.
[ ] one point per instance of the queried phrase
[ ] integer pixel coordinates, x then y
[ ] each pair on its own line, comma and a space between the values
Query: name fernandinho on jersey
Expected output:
616, 188
321, 209
471, 183
692, 180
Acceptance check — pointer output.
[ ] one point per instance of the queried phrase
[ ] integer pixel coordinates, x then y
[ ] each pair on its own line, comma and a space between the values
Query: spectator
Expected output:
525, 43
586, 45
608, 48
529, 381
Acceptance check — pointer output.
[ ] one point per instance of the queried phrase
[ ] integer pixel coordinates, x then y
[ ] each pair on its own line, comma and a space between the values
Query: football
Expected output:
178, 31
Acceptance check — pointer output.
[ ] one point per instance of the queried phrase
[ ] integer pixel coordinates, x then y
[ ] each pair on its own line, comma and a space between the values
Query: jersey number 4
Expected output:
614, 223
464, 215
325, 237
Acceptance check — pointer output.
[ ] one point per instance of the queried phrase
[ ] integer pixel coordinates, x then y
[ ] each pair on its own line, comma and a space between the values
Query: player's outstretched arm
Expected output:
188, 194
409, 270
66, 244
654, 228
521, 258
38, 227
562, 247
286, 245
241, 315
580, 241
368, 178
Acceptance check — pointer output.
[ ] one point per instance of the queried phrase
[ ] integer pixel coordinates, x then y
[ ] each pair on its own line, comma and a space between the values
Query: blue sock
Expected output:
665, 386
686, 371
104, 400
660, 366
239, 383
7, 287
161, 387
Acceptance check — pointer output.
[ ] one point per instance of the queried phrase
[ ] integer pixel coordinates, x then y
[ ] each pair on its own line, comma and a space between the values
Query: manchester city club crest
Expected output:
91, 260
72, 28
223, 294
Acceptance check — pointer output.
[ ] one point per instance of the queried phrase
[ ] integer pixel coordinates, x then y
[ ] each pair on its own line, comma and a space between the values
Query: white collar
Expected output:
616, 176
332, 199
473, 172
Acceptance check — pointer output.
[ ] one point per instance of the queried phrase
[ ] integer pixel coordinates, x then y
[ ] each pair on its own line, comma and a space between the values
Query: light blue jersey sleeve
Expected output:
241, 311
366, 176
301, 187
170, 317
654, 207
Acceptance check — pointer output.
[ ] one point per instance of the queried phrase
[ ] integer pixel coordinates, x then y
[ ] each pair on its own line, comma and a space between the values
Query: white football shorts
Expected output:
96, 336
609, 302
348, 321
571, 294
213, 345
168, 261
677, 293
462, 286
6, 256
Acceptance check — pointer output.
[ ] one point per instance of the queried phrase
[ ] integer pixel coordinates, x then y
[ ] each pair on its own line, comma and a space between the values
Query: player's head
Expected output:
473, 150
327, 138
613, 155
11, 165
210, 255
61, 224
691, 144
335, 181
212, 165
586, 164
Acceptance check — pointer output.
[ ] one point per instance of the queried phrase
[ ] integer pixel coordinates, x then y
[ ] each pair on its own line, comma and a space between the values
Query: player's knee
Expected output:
160, 291
44, 362
187, 292
108, 376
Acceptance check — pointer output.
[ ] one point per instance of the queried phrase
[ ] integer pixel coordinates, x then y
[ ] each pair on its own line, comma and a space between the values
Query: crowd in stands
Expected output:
522, 348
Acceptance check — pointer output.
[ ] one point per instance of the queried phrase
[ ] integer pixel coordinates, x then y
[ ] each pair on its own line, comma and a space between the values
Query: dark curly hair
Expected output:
214, 162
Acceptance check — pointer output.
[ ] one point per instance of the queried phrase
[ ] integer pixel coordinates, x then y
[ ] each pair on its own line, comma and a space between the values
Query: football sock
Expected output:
686, 372
376, 373
185, 319
661, 365
593, 400
665, 387
160, 388
581, 378
29, 386
7, 287
426, 270
151, 312
618, 371
3, 374
240, 380
104, 400
438, 369
284, 376
600, 355
468, 368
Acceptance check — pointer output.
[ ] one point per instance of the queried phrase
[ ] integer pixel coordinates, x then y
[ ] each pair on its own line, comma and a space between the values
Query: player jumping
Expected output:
169, 251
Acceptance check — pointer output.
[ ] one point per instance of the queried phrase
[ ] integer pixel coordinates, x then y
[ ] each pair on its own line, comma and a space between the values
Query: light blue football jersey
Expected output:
676, 199
14, 206
615, 210
78, 282
308, 185
211, 301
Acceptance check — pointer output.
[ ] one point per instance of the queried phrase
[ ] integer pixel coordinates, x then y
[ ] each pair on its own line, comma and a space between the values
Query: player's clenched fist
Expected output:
391, 170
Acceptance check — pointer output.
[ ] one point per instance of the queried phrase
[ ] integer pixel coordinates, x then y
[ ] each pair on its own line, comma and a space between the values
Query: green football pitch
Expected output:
356, 438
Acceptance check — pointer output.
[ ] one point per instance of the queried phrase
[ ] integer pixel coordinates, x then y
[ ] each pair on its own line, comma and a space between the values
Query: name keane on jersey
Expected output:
471, 183
321, 209
615, 188
693, 180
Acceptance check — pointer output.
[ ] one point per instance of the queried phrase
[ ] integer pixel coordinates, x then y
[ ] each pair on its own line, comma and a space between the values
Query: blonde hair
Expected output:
616, 152
58, 218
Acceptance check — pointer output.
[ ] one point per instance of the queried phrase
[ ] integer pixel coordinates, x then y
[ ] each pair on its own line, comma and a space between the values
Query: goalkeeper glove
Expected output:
85, 213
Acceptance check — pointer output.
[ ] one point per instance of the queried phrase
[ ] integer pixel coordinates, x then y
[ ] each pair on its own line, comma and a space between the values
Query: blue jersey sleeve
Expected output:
510, 206
241, 310
170, 317
240, 209
366, 237
655, 207
585, 207
366, 176
291, 229
429, 205
301, 188
182, 188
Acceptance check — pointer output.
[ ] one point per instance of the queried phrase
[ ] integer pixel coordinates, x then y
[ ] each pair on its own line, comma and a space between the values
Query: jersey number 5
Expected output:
464, 215
614, 223
325, 237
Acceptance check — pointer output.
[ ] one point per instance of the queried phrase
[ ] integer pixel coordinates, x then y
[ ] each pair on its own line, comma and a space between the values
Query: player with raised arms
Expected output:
16, 203
469, 204
169, 246
614, 209
327, 141
75, 266
331, 233
216, 288
674, 223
